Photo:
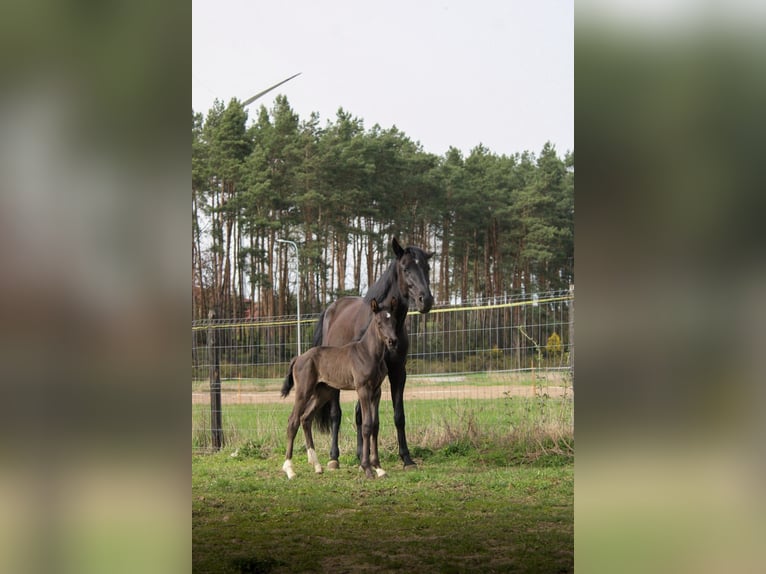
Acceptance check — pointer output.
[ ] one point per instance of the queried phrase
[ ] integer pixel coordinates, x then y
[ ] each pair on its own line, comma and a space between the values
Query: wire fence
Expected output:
488, 351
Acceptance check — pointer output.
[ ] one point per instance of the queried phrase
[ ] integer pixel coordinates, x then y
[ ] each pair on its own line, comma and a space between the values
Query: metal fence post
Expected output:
571, 333
216, 426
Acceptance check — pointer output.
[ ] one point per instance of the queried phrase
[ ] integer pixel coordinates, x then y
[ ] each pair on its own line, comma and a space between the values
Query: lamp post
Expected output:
298, 287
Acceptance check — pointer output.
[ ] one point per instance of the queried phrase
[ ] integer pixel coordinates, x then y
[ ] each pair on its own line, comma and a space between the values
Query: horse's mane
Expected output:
386, 286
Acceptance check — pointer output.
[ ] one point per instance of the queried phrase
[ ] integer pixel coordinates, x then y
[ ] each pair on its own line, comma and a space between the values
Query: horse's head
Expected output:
385, 322
413, 268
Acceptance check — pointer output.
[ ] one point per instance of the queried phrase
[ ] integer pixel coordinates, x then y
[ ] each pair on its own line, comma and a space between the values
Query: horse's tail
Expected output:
289, 382
322, 419
318, 330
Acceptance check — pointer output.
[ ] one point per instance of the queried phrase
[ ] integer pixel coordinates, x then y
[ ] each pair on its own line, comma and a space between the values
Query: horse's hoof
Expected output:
333, 465
412, 466
288, 468
380, 472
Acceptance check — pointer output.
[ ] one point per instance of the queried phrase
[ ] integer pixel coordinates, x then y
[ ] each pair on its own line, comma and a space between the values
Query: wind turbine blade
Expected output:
250, 100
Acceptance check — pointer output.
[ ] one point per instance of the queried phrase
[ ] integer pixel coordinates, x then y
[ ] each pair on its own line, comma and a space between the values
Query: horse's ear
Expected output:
398, 251
374, 306
429, 255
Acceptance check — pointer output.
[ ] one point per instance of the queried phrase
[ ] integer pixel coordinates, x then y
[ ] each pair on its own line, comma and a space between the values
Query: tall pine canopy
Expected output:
499, 225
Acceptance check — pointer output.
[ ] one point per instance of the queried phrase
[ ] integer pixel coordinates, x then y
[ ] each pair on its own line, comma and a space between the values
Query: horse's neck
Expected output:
372, 342
400, 313
388, 286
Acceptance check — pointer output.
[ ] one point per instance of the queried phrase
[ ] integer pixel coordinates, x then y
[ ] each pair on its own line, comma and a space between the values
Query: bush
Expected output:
553, 346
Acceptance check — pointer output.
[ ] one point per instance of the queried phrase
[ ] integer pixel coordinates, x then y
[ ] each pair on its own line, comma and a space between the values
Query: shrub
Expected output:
553, 346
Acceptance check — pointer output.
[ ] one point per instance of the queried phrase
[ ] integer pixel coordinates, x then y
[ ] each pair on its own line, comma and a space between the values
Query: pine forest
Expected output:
498, 225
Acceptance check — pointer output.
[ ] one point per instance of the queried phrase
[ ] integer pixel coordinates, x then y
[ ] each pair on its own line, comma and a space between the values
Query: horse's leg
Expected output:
397, 376
335, 414
374, 456
292, 429
306, 418
365, 405
358, 419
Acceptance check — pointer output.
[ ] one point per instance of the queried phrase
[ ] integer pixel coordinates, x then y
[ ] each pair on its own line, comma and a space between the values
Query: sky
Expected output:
446, 73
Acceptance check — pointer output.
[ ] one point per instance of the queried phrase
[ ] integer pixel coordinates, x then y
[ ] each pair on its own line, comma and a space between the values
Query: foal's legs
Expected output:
292, 429
358, 419
306, 419
397, 376
374, 458
335, 415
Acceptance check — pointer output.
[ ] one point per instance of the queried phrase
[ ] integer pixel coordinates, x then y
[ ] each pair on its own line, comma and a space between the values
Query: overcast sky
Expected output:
446, 73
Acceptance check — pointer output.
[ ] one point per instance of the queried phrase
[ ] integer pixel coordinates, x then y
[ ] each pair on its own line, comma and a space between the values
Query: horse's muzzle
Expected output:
425, 303
391, 343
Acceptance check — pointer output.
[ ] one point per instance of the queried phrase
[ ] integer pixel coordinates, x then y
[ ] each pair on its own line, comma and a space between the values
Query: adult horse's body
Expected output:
358, 365
345, 320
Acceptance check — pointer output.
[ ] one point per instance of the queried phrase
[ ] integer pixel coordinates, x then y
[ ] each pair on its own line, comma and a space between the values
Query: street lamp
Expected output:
298, 287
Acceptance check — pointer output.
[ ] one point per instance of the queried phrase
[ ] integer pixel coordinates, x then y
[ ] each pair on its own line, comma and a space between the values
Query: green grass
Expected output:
464, 509
526, 427
493, 492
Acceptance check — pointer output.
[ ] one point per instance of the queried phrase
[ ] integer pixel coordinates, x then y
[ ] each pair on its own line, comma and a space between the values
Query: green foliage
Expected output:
553, 346
252, 449
506, 222
459, 448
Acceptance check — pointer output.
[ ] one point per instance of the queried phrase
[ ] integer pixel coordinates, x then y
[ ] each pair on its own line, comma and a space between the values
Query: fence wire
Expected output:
490, 351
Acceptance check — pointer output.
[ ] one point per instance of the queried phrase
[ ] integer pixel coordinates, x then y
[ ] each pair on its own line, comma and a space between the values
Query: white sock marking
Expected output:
314, 460
288, 468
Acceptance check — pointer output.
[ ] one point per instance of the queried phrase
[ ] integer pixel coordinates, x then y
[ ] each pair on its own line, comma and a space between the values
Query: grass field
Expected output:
493, 493
523, 425
461, 511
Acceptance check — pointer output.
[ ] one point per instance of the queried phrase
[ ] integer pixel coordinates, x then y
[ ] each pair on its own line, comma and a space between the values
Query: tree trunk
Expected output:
488, 290
341, 242
197, 260
476, 289
444, 278
371, 241
252, 276
498, 267
464, 278
358, 248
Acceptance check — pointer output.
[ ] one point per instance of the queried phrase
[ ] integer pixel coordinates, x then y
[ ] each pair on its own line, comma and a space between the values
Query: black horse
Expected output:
347, 319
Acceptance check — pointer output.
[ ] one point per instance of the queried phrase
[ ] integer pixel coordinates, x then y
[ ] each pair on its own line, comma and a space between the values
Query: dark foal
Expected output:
321, 371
